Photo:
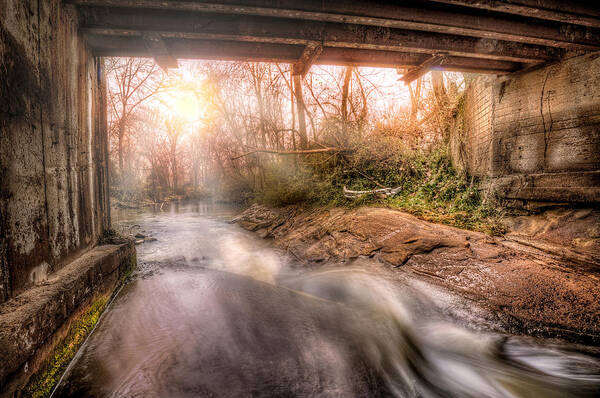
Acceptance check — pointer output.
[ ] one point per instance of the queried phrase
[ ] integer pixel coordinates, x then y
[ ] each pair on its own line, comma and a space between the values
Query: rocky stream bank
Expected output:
531, 291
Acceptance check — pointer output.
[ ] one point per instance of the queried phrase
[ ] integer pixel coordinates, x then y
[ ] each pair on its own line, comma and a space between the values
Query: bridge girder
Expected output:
483, 36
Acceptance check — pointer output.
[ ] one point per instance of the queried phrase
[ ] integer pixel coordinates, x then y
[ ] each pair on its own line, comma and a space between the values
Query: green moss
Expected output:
43, 382
129, 268
444, 196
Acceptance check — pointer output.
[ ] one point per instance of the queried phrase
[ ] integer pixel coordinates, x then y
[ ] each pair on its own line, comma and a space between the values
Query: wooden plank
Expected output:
109, 46
388, 59
446, 19
194, 25
570, 12
286, 53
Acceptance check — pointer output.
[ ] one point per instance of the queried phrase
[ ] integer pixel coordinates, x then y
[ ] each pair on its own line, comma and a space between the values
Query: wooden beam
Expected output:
284, 53
415, 73
157, 48
425, 17
570, 12
193, 25
115, 46
388, 59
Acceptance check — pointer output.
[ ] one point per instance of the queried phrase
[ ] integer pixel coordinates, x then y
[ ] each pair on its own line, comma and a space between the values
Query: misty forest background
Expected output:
251, 132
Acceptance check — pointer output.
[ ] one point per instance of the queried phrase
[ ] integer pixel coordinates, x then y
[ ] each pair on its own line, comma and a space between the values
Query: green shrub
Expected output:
430, 187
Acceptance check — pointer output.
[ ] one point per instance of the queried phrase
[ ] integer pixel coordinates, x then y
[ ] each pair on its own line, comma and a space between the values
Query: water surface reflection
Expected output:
216, 311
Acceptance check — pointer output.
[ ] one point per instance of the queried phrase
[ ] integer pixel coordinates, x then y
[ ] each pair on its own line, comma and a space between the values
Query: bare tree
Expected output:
345, 88
133, 82
257, 120
415, 99
174, 130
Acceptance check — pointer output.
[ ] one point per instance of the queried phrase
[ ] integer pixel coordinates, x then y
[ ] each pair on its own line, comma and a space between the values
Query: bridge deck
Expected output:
491, 36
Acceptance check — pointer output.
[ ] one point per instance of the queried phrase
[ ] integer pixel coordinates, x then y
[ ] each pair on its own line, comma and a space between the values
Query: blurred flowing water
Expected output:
214, 310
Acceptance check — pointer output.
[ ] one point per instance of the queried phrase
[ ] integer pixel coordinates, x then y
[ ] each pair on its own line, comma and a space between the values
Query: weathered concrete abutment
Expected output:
53, 152
54, 205
536, 134
42, 328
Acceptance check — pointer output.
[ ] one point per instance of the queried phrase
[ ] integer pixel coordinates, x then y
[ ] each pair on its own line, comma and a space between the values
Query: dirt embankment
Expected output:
532, 291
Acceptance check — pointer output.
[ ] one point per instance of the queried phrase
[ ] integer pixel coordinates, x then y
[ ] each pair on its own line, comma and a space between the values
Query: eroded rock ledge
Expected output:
532, 291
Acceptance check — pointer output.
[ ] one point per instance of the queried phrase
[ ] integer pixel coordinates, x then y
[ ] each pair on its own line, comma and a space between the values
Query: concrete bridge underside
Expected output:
532, 128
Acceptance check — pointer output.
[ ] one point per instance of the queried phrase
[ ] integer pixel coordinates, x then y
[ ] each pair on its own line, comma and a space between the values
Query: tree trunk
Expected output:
439, 90
300, 106
174, 163
261, 110
293, 112
415, 99
345, 88
121, 135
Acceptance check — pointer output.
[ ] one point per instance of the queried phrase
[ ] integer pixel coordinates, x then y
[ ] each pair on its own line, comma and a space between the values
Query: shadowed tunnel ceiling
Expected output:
468, 35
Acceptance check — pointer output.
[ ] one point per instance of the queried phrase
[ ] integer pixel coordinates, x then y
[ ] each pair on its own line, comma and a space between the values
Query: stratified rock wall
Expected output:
338, 235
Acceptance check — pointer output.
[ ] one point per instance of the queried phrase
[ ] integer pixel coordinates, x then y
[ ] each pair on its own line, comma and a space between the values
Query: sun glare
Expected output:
181, 97
186, 105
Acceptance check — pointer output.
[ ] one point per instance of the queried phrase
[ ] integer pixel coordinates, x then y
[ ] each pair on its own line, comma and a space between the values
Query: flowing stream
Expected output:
214, 310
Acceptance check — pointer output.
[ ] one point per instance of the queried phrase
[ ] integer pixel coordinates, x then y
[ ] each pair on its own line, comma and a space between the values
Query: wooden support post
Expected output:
299, 69
156, 46
415, 73
300, 107
309, 56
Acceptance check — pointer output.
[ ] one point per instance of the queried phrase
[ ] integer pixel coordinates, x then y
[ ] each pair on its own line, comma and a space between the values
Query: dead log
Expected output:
384, 191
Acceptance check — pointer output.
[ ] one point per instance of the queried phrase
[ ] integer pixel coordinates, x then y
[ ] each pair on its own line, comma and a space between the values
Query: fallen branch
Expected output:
299, 152
369, 178
385, 191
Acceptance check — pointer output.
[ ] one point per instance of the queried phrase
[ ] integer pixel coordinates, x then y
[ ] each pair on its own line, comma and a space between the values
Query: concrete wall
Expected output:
42, 329
537, 134
53, 189
478, 113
